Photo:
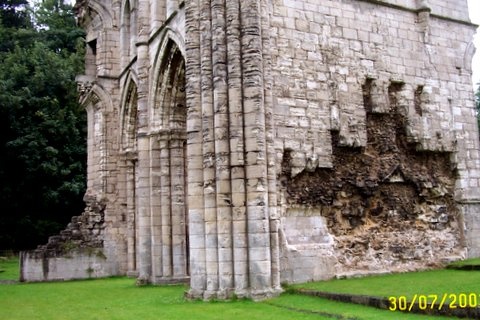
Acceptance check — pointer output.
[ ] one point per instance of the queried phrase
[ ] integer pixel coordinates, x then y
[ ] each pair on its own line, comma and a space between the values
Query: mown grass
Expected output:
463, 263
119, 298
404, 284
9, 268
345, 310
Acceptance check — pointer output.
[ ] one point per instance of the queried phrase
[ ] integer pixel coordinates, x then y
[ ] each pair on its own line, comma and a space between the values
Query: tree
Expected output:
15, 22
56, 21
14, 14
42, 129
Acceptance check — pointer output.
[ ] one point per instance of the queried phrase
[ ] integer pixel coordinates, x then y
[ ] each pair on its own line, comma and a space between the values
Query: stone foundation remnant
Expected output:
241, 144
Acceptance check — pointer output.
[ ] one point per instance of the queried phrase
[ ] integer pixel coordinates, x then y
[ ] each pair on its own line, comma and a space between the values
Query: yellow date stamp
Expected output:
434, 301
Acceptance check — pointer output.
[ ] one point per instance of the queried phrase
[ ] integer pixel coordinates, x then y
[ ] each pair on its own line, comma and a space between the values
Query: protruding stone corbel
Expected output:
379, 97
423, 11
84, 85
131, 155
423, 5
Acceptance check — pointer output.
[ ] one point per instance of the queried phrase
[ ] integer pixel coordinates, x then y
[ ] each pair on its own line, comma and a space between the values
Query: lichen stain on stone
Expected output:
386, 204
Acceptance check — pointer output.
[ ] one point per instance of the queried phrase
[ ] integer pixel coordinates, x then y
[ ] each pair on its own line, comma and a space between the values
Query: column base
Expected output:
171, 280
256, 295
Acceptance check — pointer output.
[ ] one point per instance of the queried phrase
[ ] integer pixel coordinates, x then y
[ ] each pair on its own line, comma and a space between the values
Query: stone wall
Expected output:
371, 103
76, 253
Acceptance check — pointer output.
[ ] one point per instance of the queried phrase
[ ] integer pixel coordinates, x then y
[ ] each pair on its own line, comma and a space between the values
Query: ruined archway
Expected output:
129, 125
96, 102
169, 168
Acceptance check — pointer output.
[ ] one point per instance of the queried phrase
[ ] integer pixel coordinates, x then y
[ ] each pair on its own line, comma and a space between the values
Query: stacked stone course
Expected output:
242, 144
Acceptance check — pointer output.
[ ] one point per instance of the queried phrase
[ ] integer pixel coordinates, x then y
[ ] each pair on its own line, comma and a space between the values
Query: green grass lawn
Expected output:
465, 263
9, 268
119, 298
404, 284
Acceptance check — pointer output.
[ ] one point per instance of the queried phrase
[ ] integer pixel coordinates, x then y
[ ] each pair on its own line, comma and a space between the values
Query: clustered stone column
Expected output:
143, 148
131, 216
229, 203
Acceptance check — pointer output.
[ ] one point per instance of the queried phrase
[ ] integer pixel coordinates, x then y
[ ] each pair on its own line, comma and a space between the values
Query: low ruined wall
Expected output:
471, 217
75, 265
76, 253
307, 251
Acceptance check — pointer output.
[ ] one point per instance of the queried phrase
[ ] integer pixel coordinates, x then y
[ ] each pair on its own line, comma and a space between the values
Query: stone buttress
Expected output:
232, 200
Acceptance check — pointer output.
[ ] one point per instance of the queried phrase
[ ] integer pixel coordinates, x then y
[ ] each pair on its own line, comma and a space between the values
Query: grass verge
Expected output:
437, 282
119, 298
9, 268
468, 264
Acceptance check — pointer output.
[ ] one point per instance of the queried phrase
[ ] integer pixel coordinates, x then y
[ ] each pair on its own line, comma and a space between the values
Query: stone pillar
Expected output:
166, 198
274, 215
222, 149
258, 225
228, 42
131, 218
237, 161
143, 145
178, 206
143, 210
156, 207
196, 210
209, 156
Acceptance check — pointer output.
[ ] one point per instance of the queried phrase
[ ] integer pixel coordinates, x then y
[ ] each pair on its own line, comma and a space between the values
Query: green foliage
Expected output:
56, 22
14, 13
42, 128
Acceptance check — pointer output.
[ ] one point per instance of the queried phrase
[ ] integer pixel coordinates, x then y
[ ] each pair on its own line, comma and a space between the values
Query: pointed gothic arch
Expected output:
168, 116
128, 31
128, 146
96, 103
85, 10
129, 117
169, 107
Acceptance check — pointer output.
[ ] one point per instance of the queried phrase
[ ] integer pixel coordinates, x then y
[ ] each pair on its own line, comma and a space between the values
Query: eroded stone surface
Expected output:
387, 205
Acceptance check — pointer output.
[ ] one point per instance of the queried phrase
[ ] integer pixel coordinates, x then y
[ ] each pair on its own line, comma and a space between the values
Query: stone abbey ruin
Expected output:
241, 144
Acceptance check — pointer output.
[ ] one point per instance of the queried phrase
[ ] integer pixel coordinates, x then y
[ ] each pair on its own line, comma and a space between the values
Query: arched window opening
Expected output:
168, 121
128, 32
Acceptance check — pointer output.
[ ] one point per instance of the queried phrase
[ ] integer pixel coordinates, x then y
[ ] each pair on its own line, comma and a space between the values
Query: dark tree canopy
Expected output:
14, 14
42, 127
